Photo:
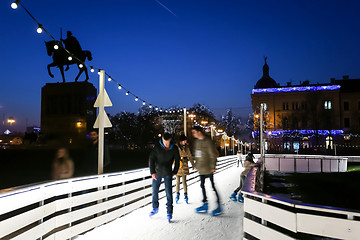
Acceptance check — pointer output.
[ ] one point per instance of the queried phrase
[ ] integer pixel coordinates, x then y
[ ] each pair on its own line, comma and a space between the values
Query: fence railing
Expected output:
268, 217
305, 163
66, 208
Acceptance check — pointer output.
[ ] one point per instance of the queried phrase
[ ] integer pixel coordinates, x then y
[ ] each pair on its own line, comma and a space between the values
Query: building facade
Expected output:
307, 116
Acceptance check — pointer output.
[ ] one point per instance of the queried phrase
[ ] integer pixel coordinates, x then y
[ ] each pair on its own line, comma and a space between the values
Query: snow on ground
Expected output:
186, 223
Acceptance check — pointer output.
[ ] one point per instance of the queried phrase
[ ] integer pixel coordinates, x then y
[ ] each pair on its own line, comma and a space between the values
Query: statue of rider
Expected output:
72, 44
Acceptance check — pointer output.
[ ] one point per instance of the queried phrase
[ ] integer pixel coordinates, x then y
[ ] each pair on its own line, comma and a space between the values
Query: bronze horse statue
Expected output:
60, 58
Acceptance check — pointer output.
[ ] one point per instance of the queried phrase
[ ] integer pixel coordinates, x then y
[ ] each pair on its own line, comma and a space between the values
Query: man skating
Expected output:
161, 159
205, 163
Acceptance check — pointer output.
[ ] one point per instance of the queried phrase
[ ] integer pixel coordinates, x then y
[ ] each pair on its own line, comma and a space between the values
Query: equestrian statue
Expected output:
71, 54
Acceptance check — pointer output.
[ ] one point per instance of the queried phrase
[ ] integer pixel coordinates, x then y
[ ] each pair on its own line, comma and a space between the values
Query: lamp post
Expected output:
262, 147
185, 121
224, 137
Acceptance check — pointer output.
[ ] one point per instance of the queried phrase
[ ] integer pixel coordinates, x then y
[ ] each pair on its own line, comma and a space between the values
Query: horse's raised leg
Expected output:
48, 68
61, 67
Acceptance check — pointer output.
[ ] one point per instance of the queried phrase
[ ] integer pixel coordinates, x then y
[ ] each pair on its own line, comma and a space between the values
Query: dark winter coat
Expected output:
161, 160
205, 157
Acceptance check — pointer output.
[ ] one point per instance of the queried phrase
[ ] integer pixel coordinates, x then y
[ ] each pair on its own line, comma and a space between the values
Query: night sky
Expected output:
178, 52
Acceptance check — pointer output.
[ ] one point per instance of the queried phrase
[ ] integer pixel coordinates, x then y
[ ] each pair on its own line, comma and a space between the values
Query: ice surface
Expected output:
186, 224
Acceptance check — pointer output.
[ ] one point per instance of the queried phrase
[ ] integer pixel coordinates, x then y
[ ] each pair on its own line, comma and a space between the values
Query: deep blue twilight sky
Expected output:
196, 51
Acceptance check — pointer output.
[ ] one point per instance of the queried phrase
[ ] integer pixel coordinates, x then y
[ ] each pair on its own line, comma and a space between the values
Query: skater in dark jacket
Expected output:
248, 164
161, 160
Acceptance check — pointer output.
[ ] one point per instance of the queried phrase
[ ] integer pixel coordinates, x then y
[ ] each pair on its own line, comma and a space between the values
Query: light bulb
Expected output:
69, 58
136, 99
92, 69
80, 65
14, 5
56, 47
150, 106
39, 29
143, 102
109, 79
127, 93
119, 87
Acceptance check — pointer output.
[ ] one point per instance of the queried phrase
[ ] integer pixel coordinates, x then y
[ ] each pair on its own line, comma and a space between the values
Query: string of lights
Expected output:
81, 64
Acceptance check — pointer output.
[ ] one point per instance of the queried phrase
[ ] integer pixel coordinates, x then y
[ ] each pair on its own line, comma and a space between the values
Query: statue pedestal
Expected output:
67, 112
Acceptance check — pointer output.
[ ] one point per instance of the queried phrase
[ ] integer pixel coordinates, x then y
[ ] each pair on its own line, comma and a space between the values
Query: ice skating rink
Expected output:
186, 224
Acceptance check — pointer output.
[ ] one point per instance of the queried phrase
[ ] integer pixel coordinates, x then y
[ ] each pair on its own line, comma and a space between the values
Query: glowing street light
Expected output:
11, 120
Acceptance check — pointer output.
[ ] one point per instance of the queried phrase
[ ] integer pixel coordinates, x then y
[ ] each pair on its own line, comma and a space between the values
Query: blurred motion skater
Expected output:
205, 163
63, 165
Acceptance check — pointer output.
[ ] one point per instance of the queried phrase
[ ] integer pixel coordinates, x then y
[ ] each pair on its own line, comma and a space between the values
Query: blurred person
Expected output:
205, 163
91, 161
161, 160
185, 157
63, 165
248, 164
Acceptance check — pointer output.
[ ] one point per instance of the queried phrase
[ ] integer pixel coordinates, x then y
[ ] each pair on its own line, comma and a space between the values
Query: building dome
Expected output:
266, 81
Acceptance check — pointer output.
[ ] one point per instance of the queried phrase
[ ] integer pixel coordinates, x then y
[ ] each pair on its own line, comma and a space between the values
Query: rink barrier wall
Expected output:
66, 208
268, 217
305, 163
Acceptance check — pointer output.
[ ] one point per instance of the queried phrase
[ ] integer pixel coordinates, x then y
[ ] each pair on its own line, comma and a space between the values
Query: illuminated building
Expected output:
307, 116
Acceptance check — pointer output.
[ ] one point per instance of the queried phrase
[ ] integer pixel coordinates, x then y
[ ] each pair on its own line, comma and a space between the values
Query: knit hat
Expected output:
182, 138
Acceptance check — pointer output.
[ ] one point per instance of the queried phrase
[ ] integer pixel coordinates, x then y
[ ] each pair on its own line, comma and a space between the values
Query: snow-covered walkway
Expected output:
186, 223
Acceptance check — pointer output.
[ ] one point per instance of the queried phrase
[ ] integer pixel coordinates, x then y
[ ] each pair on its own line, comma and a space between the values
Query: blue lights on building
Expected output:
296, 89
297, 132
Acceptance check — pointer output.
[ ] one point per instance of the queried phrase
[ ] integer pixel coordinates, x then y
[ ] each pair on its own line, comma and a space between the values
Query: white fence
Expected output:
267, 217
270, 218
67, 208
305, 163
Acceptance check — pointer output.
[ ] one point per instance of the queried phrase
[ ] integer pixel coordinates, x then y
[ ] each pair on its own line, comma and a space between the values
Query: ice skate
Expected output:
177, 197
218, 211
202, 209
233, 197
186, 198
153, 212
169, 217
240, 198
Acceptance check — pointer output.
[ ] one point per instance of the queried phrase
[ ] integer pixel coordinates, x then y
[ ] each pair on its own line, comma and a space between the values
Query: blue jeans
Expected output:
168, 189
202, 185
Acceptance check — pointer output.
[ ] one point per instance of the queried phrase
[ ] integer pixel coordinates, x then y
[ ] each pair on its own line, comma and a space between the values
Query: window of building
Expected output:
347, 122
285, 106
285, 123
287, 145
295, 106
329, 142
346, 106
327, 104
303, 105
